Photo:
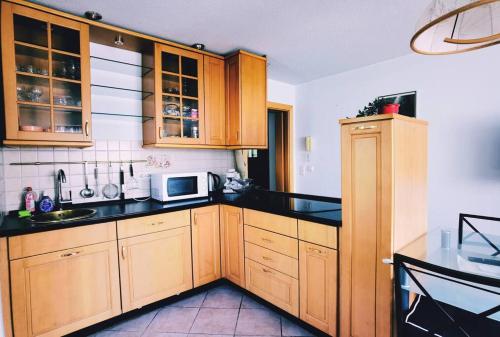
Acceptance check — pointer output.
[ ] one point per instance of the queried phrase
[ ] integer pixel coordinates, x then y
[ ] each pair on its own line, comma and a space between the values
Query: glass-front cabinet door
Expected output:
45, 60
179, 96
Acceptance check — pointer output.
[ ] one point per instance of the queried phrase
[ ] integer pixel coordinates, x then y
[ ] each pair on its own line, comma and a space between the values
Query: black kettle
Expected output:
214, 182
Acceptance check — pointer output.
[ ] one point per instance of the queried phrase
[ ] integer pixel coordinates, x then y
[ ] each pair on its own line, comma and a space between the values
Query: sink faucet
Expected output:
61, 178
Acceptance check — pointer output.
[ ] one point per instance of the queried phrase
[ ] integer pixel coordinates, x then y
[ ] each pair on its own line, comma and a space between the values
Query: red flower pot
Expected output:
392, 108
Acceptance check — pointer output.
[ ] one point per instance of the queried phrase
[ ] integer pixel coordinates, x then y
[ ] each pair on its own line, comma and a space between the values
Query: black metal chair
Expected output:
422, 314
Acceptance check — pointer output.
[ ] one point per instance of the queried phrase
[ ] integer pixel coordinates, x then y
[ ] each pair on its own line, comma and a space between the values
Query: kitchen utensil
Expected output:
96, 177
132, 181
34, 128
86, 192
110, 190
122, 183
213, 182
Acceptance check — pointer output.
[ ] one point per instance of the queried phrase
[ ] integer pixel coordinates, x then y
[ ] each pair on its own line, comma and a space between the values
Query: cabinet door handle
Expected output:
123, 252
387, 261
70, 254
266, 240
365, 127
159, 132
266, 258
86, 128
314, 250
239, 218
195, 222
267, 271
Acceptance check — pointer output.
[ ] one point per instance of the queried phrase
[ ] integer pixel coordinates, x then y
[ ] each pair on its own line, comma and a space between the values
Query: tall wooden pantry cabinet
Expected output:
384, 207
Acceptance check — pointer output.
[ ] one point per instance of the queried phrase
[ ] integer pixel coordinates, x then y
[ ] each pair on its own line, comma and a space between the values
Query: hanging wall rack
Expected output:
38, 163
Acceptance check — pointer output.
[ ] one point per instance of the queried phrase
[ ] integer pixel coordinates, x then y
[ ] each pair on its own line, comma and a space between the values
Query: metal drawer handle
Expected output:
266, 258
123, 252
387, 261
267, 271
86, 128
266, 240
159, 133
70, 254
314, 250
365, 127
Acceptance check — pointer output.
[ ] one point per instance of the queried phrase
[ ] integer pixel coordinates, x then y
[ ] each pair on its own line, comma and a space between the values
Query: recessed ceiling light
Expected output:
199, 46
93, 15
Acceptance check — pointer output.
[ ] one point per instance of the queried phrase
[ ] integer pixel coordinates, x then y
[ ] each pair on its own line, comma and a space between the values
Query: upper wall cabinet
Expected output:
215, 101
178, 101
46, 77
246, 101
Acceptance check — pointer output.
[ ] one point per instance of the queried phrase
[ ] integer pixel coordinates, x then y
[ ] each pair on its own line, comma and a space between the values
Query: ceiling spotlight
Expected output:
199, 46
119, 40
93, 15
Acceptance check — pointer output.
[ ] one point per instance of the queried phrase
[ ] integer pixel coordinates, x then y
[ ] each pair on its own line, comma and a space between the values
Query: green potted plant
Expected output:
373, 108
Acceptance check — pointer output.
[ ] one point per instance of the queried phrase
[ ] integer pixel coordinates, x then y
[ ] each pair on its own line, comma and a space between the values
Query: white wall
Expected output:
459, 95
280, 92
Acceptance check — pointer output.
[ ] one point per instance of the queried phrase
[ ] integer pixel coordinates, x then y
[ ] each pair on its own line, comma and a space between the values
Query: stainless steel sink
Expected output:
62, 216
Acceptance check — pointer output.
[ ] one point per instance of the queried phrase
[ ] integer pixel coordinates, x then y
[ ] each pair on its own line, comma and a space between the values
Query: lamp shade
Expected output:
456, 26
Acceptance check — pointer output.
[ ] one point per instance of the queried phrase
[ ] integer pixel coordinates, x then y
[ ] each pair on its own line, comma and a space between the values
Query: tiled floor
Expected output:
223, 311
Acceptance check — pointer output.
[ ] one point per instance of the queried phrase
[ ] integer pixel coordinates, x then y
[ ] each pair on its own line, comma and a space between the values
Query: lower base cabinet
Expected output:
155, 266
273, 286
57, 293
232, 244
318, 286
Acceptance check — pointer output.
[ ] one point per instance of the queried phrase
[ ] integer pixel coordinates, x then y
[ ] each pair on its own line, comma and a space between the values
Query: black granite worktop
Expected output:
306, 207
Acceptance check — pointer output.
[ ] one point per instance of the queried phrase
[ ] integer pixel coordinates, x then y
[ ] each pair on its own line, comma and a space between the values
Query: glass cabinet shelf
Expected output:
105, 90
120, 67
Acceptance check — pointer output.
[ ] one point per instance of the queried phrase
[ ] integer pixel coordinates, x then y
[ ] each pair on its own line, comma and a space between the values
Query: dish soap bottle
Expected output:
29, 200
45, 204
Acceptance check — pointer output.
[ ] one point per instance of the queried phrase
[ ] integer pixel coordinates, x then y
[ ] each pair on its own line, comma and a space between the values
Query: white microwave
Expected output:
179, 186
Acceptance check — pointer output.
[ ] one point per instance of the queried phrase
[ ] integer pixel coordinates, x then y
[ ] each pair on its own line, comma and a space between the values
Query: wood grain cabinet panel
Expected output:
233, 255
320, 234
384, 184
246, 97
57, 293
268, 258
276, 242
152, 223
271, 222
273, 286
154, 266
206, 244
215, 101
318, 286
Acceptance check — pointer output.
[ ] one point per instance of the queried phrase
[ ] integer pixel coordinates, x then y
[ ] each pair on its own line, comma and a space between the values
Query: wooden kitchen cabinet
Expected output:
206, 244
154, 266
177, 106
318, 286
46, 76
60, 292
384, 198
246, 97
215, 101
232, 244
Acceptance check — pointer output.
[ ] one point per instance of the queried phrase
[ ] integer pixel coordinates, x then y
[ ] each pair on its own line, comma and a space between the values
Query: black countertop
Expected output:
306, 207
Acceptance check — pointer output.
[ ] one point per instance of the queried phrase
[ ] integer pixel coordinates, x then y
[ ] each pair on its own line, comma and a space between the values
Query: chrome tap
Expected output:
61, 178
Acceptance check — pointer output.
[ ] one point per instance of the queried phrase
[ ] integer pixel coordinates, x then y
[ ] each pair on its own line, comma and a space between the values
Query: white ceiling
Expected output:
303, 39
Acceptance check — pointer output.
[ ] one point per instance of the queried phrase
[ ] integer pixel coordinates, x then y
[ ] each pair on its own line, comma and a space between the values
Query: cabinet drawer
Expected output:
268, 258
279, 243
273, 286
317, 233
52, 241
271, 222
153, 223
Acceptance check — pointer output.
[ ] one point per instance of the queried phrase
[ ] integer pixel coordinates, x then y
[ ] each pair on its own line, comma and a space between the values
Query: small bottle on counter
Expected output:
29, 199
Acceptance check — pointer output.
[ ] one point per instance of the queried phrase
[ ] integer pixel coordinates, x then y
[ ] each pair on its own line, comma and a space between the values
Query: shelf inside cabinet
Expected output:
125, 68
105, 90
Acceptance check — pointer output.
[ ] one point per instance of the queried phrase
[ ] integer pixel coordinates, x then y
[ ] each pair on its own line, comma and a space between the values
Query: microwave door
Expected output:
178, 187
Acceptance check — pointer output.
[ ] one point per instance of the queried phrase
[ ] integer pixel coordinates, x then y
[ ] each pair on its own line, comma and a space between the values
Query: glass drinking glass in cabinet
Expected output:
171, 127
68, 121
31, 60
66, 93
171, 106
190, 108
32, 89
34, 118
189, 87
189, 66
31, 31
170, 62
170, 84
65, 66
65, 39
191, 129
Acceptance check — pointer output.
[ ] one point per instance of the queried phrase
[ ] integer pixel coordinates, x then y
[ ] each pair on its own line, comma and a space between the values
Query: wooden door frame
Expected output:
288, 110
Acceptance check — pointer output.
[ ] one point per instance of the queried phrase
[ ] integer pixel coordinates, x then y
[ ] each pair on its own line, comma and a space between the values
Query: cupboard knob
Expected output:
86, 128
159, 132
314, 250
365, 127
266, 271
266, 258
70, 254
123, 252
266, 240
387, 261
